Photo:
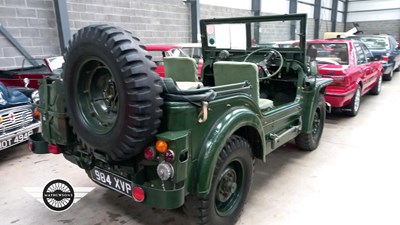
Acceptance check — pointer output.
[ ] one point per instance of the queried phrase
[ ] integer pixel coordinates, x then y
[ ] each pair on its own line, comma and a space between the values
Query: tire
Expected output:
310, 141
224, 206
354, 106
113, 93
388, 76
377, 88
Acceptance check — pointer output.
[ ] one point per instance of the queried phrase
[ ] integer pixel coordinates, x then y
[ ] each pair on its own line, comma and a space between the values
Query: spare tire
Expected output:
112, 92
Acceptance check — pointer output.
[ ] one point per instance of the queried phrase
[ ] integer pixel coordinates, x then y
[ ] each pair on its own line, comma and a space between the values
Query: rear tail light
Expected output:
54, 149
138, 194
149, 153
338, 80
169, 156
385, 58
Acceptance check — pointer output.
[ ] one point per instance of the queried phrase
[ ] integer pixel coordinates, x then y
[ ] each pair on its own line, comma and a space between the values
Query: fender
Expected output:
309, 104
223, 128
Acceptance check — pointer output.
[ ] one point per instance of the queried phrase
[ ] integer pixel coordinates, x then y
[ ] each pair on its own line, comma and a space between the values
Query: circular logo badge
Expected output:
58, 195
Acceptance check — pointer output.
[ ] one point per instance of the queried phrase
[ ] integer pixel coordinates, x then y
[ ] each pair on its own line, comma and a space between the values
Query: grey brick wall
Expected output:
391, 27
209, 12
32, 23
154, 21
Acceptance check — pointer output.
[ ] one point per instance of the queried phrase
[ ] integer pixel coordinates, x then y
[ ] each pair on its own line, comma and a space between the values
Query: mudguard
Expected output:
233, 119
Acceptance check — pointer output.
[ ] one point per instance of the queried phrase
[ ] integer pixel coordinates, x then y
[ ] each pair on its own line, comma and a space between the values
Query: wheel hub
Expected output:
228, 185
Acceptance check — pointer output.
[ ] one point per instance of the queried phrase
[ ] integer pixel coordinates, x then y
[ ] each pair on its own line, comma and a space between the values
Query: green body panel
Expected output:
197, 145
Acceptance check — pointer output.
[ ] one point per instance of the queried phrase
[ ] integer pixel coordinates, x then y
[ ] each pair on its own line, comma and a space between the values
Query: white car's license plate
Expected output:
113, 181
21, 137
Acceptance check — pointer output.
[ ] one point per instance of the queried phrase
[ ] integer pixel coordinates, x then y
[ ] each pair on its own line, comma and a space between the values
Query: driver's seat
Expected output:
229, 72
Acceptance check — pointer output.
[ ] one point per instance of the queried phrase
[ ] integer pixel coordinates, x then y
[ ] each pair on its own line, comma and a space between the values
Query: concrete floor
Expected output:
352, 178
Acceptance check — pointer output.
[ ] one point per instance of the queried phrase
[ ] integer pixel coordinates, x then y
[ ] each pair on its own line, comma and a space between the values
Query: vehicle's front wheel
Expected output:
310, 141
354, 106
231, 183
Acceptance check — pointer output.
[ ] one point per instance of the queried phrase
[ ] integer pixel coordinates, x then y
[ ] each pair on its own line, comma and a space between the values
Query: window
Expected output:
360, 54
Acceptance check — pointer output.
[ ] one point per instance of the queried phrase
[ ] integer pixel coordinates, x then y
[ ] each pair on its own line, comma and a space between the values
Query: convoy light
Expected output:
161, 146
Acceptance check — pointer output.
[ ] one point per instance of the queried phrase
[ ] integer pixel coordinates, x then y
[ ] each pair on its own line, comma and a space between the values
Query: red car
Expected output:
352, 67
158, 52
29, 76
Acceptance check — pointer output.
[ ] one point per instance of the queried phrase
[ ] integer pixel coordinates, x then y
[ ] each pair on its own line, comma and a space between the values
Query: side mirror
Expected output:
314, 68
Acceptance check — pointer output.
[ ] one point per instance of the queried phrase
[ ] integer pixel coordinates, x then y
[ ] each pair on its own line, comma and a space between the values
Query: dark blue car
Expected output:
384, 48
18, 119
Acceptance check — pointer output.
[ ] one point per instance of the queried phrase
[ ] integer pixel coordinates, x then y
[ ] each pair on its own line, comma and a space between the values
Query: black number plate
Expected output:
112, 181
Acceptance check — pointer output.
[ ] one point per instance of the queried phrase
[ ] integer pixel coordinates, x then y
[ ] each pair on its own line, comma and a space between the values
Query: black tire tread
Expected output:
305, 141
197, 207
142, 89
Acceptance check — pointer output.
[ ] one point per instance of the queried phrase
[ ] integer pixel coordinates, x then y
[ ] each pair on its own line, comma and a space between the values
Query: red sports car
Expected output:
352, 67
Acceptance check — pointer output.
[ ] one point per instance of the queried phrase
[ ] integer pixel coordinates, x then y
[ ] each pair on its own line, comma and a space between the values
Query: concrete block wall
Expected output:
32, 23
155, 21
391, 27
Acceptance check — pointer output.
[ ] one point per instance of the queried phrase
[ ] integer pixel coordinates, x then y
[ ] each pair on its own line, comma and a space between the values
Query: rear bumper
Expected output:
388, 68
339, 98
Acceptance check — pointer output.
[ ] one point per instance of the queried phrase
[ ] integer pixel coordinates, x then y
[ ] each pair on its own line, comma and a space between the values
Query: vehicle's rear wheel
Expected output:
388, 76
113, 95
231, 183
310, 141
354, 106
377, 88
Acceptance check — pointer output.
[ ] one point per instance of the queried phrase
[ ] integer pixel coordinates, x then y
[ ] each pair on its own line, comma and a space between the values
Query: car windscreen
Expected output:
375, 42
268, 34
329, 53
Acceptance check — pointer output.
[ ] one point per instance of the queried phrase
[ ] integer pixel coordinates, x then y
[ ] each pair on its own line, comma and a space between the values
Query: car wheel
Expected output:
377, 88
310, 141
388, 76
113, 101
231, 183
354, 106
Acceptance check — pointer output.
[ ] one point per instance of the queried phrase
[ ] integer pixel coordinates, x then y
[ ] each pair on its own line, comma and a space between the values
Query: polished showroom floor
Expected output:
352, 178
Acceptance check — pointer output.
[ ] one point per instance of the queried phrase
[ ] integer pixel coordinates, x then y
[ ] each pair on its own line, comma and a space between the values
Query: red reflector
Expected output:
30, 146
138, 194
385, 58
53, 149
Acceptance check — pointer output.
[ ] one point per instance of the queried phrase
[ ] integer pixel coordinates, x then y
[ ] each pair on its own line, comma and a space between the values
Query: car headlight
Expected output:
35, 97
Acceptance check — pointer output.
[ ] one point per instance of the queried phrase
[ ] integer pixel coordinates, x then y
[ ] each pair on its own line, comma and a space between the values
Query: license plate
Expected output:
112, 181
15, 140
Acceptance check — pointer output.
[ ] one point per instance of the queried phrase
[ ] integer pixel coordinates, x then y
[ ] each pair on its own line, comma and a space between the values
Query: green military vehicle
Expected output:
178, 141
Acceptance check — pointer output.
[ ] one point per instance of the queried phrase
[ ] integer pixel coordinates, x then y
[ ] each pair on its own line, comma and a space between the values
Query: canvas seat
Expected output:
227, 72
183, 70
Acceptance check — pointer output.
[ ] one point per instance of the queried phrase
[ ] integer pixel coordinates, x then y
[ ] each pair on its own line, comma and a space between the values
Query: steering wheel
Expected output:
267, 57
